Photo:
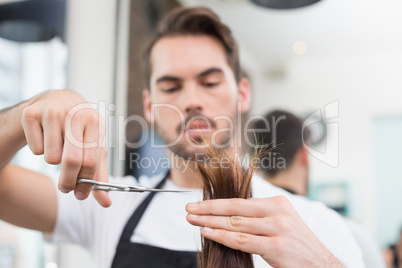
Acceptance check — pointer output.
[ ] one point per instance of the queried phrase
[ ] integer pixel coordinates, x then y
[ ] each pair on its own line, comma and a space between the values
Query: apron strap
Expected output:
136, 217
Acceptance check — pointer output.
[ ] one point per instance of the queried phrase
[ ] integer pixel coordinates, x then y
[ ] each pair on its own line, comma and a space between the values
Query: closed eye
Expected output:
171, 90
210, 85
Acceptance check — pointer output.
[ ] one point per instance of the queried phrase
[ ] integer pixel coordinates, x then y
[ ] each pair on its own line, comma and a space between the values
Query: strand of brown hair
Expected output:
227, 179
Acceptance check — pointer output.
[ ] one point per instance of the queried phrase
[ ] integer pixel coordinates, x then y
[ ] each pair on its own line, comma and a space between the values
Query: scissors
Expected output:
104, 186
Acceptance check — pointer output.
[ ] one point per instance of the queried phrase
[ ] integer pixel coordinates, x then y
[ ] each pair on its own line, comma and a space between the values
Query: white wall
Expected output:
91, 39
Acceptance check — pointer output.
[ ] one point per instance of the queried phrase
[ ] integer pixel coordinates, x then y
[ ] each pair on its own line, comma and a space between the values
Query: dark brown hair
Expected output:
287, 132
196, 21
227, 179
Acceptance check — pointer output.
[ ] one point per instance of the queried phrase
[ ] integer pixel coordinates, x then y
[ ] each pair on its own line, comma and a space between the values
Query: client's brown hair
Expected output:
224, 180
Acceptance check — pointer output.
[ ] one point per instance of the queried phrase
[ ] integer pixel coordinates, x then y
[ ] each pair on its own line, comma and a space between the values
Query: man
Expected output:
285, 163
287, 142
194, 73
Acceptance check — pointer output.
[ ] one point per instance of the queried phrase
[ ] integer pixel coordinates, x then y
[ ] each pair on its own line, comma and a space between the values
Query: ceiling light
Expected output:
299, 47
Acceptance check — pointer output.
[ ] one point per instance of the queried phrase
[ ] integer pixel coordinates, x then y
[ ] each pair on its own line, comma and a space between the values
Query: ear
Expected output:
146, 100
304, 156
244, 95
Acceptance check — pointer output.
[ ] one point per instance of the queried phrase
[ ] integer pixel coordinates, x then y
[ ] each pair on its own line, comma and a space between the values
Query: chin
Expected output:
187, 152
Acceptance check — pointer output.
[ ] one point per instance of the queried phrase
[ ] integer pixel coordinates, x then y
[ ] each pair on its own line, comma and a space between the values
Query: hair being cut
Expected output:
227, 179
196, 21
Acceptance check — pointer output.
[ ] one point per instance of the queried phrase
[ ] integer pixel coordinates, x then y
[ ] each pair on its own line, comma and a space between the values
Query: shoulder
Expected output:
306, 208
315, 214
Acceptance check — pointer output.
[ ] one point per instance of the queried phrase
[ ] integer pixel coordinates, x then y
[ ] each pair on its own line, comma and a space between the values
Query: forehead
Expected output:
186, 55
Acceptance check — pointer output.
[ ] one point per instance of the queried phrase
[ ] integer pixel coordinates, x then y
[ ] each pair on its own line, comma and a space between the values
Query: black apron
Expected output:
137, 255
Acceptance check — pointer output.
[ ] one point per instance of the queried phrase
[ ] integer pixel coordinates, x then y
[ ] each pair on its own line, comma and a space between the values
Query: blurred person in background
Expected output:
393, 254
285, 164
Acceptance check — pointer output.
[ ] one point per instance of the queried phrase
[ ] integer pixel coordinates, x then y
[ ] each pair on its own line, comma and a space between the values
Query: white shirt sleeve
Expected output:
332, 231
74, 220
372, 254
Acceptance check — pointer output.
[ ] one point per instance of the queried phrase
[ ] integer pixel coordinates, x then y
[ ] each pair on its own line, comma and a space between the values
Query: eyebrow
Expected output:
177, 79
209, 71
168, 78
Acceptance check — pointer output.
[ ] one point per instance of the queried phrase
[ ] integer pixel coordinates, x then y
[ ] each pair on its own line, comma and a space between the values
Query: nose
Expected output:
193, 100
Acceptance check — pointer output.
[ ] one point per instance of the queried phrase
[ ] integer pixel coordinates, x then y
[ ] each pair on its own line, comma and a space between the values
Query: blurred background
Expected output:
339, 60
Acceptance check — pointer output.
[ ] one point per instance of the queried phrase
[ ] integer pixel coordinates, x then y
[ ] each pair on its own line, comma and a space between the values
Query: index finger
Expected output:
230, 207
102, 197
71, 159
91, 157
253, 207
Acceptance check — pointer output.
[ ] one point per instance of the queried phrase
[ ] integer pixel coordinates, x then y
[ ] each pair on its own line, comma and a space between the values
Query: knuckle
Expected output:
261, 202
241, 239
281, 202
94, 118
53, 113
236, 221
282, 223
74, 119
72, 160
31, 113
89, 164
207, 203
275, 243
280, 244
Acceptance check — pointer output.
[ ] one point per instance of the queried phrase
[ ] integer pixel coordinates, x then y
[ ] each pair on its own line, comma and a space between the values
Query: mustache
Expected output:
193, 117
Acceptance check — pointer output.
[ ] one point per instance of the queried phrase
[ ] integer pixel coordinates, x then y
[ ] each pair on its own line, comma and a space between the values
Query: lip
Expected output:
197, 128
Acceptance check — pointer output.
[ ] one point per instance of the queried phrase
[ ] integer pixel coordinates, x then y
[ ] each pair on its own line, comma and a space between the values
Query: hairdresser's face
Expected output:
194, 94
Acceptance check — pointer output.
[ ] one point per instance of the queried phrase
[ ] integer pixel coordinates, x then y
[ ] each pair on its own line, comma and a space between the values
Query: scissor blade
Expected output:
97, 185
157, 190
103, 184
140, 190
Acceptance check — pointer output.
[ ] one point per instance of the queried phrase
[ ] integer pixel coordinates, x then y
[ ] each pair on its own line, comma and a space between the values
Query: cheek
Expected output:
224, 103
167, 116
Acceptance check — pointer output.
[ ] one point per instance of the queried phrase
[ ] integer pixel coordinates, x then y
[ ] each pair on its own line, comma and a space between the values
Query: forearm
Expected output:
12, 137
27, 199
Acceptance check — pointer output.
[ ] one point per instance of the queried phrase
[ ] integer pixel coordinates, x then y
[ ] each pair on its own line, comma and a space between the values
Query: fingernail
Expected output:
208, 230
63, 190
79, 195
194, 215
193, 204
